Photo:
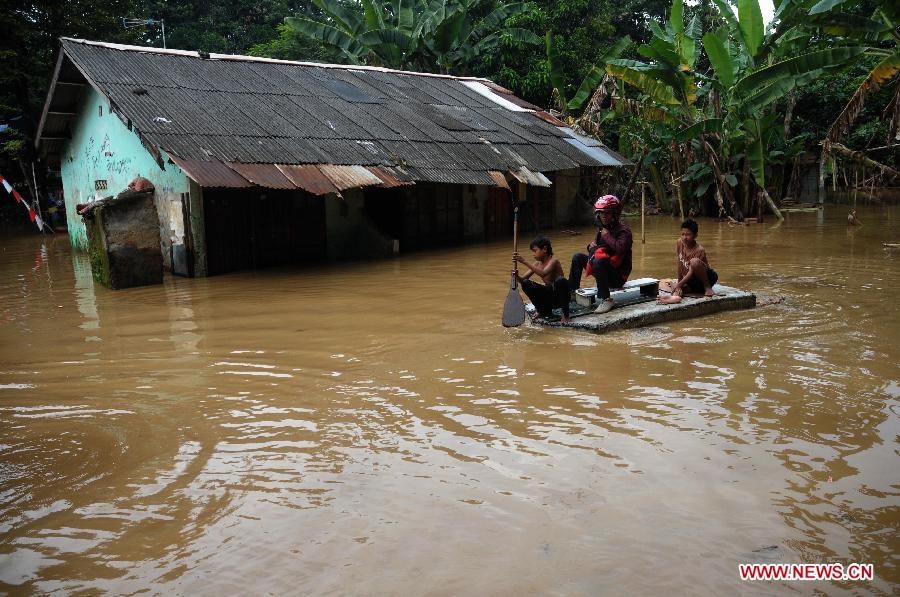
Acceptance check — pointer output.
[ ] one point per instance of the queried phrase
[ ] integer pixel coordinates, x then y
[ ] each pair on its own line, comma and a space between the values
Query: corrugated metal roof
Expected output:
248, 110
264, 175
454, 176
535, 179
349, 177
308, 178
389, 179
211, 173
598, 153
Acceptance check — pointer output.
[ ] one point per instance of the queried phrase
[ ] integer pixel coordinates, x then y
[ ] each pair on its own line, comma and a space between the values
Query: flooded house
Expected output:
259, 162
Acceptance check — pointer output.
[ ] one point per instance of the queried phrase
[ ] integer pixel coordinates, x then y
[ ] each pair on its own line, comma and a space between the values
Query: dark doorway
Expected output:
498, 213
421, 217
537, 213
256, 228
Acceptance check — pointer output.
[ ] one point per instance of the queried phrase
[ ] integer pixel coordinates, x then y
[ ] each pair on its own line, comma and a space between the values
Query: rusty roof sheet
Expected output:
548, 117
264, 175
308, 178
500, 179
211, 173
389, 179
349, 177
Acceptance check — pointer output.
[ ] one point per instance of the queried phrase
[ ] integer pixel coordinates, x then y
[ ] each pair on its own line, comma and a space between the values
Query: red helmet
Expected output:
607, 203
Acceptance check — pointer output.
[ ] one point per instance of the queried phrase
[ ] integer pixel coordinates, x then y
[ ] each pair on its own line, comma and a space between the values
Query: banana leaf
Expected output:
497, 18
372, 12
447, 33
756, 155
884, 71
719, 58
825, 6
687, 51
595, 75
676, 17
704, 127
827, 59
616, 49
326, 34
752, 24
430, 19
654, 88
765, 96
664, 51
387, 38
726, 13
846, 24
657, 30
350, 22
557, 76
588, 85
644, 111
404, 15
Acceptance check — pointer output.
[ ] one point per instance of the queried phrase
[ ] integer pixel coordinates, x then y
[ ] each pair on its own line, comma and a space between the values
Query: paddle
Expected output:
514, 308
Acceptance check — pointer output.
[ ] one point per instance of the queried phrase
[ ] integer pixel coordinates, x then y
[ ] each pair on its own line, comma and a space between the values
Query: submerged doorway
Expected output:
256, 228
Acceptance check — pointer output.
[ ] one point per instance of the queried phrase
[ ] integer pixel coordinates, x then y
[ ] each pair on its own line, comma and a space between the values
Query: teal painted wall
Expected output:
102, 148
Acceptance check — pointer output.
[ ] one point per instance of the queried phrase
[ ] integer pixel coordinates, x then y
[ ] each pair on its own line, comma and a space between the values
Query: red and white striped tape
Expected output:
32, 215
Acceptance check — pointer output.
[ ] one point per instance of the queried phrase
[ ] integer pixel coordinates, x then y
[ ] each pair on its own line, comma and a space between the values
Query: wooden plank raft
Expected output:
637, 311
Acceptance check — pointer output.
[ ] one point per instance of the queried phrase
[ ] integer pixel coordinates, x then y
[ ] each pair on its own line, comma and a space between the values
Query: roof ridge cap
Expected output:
261, 59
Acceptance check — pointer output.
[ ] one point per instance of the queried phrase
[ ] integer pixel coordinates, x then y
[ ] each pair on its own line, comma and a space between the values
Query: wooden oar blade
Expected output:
513, 310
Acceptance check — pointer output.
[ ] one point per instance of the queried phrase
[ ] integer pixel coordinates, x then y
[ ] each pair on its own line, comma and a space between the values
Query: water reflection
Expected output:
84, 293
314, 433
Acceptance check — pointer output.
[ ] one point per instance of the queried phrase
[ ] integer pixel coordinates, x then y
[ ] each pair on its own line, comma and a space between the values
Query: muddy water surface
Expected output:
370, 428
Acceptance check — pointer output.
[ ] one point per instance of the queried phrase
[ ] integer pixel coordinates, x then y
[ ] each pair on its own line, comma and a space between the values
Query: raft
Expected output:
635, 311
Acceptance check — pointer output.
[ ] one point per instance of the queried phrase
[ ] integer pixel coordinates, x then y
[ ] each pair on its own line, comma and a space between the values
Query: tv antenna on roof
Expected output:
130, 23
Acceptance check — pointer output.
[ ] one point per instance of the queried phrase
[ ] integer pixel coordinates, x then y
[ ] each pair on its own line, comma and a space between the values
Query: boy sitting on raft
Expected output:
694, 273
554, 292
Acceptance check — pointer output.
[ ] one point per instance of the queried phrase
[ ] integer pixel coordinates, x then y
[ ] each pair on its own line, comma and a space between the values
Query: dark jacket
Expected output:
618, 244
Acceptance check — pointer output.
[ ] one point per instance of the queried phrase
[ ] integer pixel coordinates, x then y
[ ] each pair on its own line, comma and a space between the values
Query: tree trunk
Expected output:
659, 189
858, 157
792, 186
771, 204
745, 185
722, 184
789, 113
677, 173
822, 179
634, 176
778, 181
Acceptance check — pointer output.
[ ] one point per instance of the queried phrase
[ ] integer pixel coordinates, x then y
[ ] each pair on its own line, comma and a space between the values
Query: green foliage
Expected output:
701, 75
751, 24
289, 45
720, 57
441, 36
820, 102
224, 26
28, 47
723, 116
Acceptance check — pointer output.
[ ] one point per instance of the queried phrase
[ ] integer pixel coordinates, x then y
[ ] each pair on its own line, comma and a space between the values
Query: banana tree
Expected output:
443, 35
880, 34
724, 113
591, 81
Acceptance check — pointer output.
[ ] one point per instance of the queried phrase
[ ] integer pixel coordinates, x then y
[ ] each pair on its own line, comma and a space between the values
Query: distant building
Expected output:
260, 162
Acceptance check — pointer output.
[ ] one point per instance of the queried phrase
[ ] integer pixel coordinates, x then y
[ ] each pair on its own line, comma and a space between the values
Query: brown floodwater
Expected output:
370, 428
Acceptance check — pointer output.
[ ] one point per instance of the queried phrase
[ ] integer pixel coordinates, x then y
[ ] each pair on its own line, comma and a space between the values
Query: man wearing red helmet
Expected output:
608, 258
